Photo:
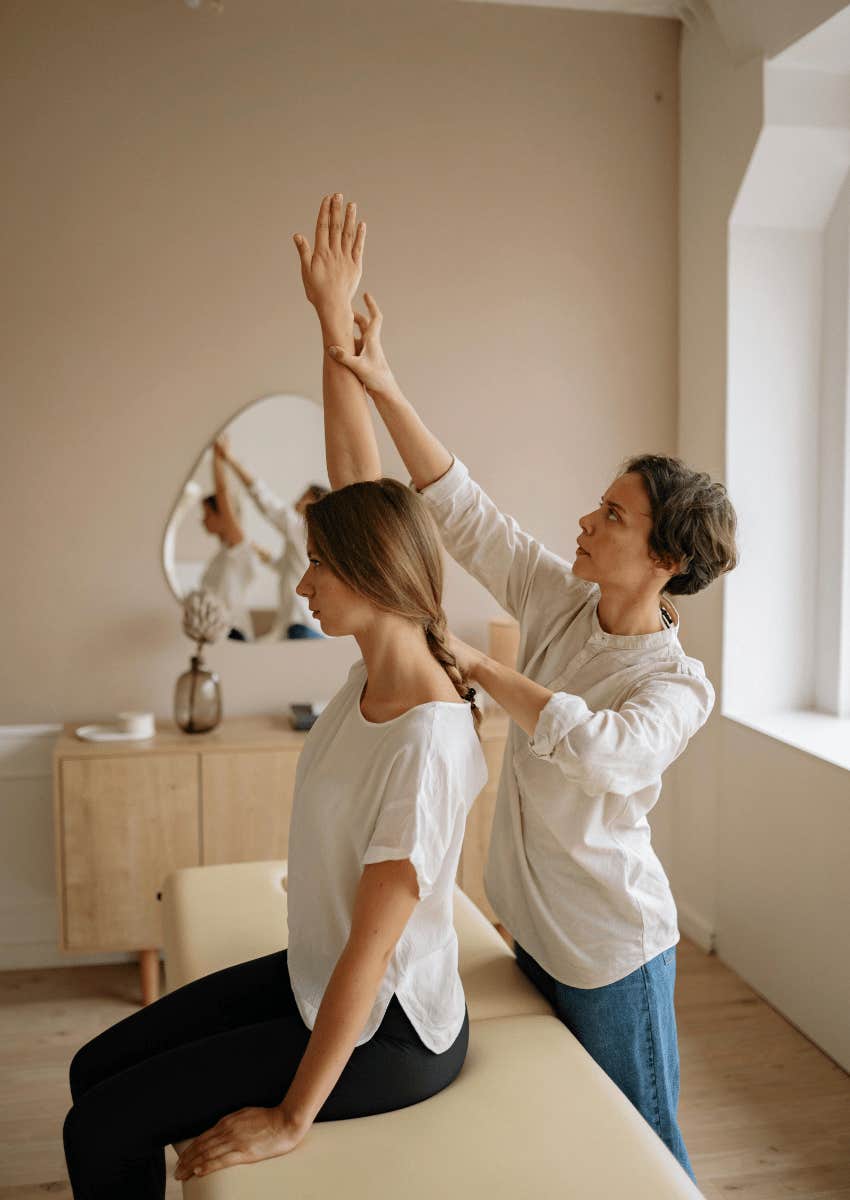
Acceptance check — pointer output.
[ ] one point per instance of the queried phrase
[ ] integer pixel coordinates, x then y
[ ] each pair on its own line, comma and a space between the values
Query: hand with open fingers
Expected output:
249, 1135
331, 270
369, 363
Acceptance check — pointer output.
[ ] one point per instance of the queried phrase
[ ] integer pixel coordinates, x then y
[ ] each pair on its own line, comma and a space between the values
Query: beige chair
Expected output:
531, 1115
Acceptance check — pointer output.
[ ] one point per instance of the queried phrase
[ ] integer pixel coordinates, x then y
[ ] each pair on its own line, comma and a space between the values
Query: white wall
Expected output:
775, 318
832, 643
757, 823
783, 886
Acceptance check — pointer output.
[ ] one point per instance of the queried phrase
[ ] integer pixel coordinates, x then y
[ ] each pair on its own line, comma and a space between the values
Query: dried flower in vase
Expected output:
197, 696
205, 618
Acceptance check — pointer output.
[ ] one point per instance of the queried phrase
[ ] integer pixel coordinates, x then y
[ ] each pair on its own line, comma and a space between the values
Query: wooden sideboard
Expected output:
127, 814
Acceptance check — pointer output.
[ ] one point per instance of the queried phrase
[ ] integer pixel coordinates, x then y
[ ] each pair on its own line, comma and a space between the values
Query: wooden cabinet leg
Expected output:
149, 973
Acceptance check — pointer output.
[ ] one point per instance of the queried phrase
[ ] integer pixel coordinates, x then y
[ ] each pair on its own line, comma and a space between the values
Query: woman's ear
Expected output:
671, 565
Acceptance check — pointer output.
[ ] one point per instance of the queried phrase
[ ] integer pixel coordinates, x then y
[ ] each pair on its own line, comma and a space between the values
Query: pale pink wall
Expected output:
518, 172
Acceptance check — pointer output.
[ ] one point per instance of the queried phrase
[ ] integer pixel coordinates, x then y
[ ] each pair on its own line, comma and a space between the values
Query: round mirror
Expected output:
237, 528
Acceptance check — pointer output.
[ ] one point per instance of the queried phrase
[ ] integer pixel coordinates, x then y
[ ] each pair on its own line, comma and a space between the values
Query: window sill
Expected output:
816, 733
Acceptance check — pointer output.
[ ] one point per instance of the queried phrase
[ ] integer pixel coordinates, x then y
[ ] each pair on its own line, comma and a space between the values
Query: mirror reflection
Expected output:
238, 529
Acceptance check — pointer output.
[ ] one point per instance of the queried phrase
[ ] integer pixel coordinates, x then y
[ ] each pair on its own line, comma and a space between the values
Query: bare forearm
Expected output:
521, 698
233, 531
351, 448
345, 1007
424, 455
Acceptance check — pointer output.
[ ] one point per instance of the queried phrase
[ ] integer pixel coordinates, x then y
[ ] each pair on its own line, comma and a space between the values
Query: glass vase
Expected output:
197, 698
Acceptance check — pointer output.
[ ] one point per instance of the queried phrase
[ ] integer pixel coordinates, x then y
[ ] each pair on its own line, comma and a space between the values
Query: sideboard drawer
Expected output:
126, 823
246, 805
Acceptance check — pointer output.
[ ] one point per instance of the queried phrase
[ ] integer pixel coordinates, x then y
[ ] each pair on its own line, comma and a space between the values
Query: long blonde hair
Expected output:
380, 539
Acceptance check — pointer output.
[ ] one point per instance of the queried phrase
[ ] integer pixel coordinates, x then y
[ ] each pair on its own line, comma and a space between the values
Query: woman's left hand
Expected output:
248, 1135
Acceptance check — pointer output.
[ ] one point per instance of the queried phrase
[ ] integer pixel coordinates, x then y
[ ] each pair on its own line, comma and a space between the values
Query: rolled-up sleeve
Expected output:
486, 542
626, 749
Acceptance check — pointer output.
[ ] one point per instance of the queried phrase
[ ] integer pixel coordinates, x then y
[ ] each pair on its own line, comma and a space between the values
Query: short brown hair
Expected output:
379, 537
693, 521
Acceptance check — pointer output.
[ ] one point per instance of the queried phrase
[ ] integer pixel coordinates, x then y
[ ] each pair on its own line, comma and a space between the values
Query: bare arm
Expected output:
385, 900
386, 897
485, 541
221, 447
520, 697
233, 534
605, 750
264, 555
331, 274
425, 457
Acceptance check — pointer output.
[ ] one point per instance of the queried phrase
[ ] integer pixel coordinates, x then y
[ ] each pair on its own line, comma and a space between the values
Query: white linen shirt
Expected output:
367, 792
571, 871
228, 574
292, 561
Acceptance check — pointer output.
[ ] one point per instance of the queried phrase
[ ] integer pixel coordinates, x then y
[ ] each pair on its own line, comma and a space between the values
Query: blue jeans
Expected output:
629, 1029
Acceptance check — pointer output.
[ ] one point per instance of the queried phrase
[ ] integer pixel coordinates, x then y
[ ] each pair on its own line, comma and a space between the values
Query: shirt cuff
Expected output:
561, 713
446, 486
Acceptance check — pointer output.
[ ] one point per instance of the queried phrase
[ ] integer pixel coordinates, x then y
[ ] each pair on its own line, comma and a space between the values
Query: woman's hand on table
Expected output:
248, 1135
331, 270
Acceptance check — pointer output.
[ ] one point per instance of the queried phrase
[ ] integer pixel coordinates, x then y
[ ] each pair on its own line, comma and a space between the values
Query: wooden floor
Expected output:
765, 1115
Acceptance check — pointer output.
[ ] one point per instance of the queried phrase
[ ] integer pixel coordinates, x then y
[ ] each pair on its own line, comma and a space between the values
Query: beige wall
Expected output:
760, 829
518, 172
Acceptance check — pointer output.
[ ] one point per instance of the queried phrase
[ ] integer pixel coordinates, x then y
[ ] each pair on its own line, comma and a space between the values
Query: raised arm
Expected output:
424, 455
221, 447
233, 533
278, 512
485, 541
331, 274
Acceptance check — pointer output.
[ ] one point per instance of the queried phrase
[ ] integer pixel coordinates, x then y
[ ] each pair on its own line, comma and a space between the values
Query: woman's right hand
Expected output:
369, 363
331, 271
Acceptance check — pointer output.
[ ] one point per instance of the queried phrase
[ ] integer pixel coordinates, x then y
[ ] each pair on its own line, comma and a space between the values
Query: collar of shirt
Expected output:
636, 641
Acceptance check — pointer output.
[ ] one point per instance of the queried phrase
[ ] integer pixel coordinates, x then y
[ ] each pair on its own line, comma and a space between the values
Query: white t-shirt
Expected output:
228, 575
366, 792
571, 871
292, 562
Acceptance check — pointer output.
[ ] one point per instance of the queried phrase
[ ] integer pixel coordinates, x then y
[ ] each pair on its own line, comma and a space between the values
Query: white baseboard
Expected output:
696, 928
35, 955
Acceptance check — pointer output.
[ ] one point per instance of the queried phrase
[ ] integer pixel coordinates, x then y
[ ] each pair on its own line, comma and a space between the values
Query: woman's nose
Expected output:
301, 589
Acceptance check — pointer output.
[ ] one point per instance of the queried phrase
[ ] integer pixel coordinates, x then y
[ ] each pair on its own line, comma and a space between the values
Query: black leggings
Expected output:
230, 1040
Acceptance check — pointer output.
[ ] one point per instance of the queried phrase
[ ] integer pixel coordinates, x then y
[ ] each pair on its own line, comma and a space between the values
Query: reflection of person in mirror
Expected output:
294, 619
229, 573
